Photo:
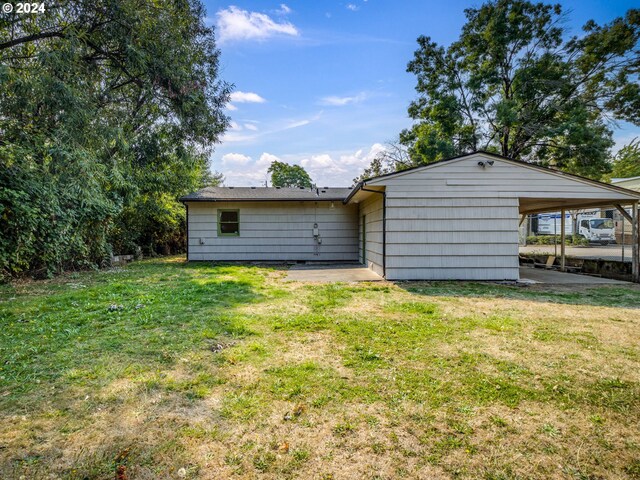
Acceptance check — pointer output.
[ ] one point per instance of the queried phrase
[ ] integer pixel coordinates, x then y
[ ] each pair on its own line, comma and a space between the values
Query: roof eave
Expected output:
354, 190
319, 199
609, 186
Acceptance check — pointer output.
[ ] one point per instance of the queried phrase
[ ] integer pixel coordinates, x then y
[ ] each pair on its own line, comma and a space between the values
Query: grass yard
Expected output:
172, 370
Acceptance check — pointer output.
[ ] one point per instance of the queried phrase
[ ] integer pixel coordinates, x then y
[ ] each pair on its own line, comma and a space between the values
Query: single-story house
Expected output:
456, 219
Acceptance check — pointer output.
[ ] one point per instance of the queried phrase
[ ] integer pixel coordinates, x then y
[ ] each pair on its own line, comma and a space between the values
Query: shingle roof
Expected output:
213, 194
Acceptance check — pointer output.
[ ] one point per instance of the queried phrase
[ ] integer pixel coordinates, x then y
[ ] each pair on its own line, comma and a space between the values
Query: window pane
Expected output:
602, 223
228, 216
229, 228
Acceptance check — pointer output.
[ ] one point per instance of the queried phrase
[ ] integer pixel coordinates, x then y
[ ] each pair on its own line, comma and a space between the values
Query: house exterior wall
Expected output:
451, 238
457, 221
275, 231
371, 211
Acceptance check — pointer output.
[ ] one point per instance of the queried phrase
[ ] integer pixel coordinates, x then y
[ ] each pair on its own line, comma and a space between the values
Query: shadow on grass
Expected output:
150, 312
82, 335
604, 296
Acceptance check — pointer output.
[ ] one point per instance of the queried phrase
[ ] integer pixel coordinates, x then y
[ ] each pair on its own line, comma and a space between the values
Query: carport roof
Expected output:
528, 203
596, 183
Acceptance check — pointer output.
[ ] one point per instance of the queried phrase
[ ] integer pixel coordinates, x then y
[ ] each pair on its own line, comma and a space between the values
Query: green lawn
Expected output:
171, 370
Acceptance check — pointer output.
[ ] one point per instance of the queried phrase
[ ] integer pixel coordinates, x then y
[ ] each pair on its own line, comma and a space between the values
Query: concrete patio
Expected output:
359, 273
332, 273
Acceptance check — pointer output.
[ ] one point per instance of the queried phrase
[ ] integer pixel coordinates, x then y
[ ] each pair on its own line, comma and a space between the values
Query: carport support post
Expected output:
635, 258
562, 240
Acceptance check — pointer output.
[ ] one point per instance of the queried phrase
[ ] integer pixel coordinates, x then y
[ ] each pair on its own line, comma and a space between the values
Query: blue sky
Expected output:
323, 84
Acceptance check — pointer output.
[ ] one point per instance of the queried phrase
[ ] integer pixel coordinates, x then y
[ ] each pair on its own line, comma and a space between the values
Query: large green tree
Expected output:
109, 110
515, 84
285, 175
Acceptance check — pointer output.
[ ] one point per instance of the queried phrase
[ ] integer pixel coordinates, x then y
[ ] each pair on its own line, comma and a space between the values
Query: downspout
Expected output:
384, 228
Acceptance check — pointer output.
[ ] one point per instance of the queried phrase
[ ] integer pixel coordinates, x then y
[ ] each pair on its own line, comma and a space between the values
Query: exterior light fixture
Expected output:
483, 164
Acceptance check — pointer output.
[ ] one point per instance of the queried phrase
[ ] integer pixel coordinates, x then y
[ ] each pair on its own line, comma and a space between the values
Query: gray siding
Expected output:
371, 209
458, 221
454, 221
468, 239
275, 231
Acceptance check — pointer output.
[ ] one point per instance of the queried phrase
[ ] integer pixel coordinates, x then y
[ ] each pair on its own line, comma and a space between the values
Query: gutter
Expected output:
229, 200
384, 224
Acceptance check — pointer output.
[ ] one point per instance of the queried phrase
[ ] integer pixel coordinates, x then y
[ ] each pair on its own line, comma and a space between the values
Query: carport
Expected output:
458, 219
531, 206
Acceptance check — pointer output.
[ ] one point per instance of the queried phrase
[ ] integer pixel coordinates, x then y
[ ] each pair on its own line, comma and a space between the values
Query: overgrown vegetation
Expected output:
171, 370
108, 112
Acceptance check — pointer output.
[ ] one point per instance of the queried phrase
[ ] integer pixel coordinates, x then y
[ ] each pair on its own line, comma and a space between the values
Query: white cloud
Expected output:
236, 24
352, 7
235, 159
283, 10
247, 172
300, 123
231, 107
320, 161
361, 159
249, 132
338, 170
233, 137
246, 97
266, 159
326, 169
336, 101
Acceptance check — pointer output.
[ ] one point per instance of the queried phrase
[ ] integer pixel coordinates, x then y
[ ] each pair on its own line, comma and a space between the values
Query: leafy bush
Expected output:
573, 240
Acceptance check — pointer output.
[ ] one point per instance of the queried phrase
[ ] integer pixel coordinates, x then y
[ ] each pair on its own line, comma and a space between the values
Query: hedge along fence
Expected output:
573, 240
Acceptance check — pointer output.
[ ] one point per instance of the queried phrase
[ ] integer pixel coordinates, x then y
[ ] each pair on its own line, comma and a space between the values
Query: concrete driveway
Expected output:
595, 252
332, 273
540, 275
